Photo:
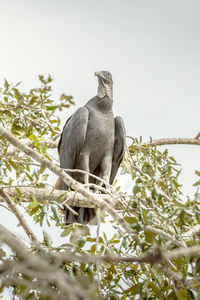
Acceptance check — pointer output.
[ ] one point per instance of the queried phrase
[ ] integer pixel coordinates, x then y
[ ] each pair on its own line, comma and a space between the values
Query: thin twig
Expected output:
90, 174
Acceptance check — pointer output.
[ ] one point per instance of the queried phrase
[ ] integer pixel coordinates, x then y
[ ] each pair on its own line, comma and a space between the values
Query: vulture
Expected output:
92, 140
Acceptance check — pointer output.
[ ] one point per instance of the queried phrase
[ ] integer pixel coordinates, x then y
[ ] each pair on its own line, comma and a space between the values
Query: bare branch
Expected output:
53, 143
19, 216
174, 141
11, 236
70, 198
197, 136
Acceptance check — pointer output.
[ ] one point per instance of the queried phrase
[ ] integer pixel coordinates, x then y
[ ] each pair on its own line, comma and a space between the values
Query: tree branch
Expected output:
174, 141
11, 236
53, 143
50, 143
71, 198
197, 136
19, 216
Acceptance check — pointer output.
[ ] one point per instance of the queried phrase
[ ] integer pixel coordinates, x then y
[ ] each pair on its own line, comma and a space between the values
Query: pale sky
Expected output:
152, 49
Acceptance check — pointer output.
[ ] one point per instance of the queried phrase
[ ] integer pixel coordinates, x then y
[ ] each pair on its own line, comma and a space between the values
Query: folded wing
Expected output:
119, 146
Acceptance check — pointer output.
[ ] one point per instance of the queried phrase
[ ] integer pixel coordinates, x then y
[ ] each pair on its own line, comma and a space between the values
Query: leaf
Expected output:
18, 191
154, 194
67, 231
136, 189
2, 253
52, 107
183, 294
13, 165
45, 177
41, 217
7, 165
114, 240
131, 220
92, 249
43, 168
33, 138
197, 173
89, 239
197, 183
197, 266
133, 289
47, 239
29, 176
55, 213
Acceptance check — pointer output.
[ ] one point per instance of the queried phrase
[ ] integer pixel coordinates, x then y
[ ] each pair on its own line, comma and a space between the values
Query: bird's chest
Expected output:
100, 132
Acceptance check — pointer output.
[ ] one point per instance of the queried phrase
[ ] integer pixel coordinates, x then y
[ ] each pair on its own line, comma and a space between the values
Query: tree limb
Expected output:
11, 236
197, 136
174, 141
52, 143
70, 198
19, 216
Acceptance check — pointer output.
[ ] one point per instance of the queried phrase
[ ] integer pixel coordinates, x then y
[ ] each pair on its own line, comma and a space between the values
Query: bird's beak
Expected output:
99, 74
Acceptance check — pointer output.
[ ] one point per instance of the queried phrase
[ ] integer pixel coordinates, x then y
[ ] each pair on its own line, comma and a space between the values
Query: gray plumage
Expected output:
94, 141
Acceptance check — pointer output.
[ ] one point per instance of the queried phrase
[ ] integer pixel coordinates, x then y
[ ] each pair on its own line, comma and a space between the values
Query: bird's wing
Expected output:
72, 140
119, 146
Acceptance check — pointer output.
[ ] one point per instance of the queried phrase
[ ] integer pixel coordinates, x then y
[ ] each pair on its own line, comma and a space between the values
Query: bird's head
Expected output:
105, 87
104, 77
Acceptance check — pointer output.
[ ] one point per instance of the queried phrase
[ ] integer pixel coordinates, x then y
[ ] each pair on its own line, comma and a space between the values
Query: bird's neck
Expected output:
105, 90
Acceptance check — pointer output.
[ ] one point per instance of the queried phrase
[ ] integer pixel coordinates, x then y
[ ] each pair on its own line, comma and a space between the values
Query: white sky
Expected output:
152, 49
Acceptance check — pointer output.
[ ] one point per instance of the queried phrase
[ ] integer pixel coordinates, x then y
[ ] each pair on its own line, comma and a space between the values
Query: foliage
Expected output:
29, 116
156, 202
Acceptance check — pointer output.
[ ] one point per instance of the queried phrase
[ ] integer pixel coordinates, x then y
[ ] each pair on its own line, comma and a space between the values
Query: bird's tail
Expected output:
86, 215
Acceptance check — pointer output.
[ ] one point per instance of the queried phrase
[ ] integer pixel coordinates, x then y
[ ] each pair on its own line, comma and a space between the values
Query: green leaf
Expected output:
136, 189
183, 294
2, 253
29, 176
47, 239
154, 194
45, 177
55, 213
18, 191
131, 220
52, 107
92, 249
13, 165
197, 266
133, 290
197, 173
33, 137
67, 231
197, 183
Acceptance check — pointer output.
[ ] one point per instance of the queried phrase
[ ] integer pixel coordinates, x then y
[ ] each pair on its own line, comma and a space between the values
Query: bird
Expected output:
94, 141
